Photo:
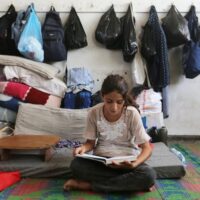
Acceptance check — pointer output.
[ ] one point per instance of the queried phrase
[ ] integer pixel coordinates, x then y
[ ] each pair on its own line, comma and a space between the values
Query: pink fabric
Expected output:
29, 94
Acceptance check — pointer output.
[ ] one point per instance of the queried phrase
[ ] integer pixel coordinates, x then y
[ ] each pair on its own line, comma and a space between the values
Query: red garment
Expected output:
8, 178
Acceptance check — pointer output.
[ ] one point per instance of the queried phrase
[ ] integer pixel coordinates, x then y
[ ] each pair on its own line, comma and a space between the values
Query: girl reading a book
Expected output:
114, 128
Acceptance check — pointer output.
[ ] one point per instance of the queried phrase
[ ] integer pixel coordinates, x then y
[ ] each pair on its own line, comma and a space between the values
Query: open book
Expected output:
107, 161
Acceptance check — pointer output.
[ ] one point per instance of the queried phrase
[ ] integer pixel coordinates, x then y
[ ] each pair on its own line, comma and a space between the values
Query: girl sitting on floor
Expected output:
114, 128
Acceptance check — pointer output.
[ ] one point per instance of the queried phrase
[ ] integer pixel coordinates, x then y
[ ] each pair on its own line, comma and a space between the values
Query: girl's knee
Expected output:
150, 177
75, 166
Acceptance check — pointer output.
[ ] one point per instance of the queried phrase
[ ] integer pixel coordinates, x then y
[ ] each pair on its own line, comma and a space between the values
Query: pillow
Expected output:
37, 119
42, 69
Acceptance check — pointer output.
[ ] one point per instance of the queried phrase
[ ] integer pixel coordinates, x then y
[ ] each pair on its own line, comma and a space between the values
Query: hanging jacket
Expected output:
157, 63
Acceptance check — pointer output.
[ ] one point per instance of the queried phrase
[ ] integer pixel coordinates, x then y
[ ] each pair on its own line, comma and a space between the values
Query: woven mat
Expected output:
167, 189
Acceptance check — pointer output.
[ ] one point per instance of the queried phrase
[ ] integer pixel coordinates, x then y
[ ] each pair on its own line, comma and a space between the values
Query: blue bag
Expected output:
30, 42
191, 59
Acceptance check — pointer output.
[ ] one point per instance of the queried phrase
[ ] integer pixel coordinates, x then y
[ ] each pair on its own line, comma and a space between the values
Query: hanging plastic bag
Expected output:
129, 43
175, 27
109, 30
75, 36
30, 42
139, 73
7, 44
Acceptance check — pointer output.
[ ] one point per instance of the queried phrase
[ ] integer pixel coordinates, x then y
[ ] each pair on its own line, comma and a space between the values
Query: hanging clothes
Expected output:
156, 57
78, 79
193, 24
157, 62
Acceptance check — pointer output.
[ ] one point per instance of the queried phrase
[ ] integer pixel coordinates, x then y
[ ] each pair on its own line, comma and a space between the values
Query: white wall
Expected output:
184, 94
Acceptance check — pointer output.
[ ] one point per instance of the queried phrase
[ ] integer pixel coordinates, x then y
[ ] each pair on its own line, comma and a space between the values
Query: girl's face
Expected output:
113, 105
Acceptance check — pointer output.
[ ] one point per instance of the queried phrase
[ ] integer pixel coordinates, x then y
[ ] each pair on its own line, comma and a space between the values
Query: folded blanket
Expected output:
29, 94
43, 69
52, 86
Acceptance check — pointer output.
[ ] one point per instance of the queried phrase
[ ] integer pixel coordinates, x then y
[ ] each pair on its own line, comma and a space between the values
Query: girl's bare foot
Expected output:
73, 184
151, 189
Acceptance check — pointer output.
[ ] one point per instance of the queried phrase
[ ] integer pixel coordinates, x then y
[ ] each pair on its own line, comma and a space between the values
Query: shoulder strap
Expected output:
52, 18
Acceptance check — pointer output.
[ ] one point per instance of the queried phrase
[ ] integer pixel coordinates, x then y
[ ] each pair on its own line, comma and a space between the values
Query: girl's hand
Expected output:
87, 146
79, 150
124, 164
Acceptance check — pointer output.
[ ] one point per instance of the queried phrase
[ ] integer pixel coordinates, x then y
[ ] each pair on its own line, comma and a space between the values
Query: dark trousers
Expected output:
107, 179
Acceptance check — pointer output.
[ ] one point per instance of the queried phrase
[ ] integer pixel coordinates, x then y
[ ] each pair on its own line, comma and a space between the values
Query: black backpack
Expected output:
7, 45
53, 37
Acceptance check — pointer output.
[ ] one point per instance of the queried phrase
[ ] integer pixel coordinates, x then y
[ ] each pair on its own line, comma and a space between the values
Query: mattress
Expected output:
165, 163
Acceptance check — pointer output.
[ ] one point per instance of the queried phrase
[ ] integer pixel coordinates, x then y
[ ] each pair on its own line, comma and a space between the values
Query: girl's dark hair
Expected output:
115, 82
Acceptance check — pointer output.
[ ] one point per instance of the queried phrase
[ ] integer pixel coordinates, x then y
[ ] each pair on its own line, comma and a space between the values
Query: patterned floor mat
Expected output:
166, 189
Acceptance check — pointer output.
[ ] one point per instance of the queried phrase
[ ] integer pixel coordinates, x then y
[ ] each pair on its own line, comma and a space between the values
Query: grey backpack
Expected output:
18, 25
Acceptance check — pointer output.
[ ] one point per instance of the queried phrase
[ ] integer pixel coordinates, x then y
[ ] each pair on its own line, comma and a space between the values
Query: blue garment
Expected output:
79, 100
165, 102
9, 102
79, 79
68, 143
69, 100
193, 23
83, 99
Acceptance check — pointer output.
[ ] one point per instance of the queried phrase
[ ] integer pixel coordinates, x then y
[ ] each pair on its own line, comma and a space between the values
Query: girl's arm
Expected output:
144, 155
87, 146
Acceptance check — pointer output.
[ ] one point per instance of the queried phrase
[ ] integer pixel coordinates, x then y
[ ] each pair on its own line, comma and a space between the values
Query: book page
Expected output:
122, 158
108, 160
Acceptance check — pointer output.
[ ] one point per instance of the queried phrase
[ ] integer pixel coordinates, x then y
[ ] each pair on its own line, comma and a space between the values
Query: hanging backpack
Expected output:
19, 24
7, 44
53, 37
